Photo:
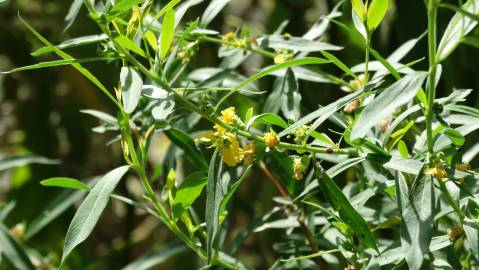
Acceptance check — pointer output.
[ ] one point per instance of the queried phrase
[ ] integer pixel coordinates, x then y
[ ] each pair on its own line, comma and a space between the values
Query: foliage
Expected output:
411, 201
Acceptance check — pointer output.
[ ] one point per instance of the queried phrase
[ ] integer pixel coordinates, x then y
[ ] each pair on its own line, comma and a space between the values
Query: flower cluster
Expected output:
227, 142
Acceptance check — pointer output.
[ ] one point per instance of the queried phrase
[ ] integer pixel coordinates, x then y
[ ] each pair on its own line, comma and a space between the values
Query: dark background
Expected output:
39, 114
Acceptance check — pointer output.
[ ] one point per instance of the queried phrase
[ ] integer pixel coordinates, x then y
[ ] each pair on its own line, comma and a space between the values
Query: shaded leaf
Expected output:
154, 258
340, 203
417, 213
188, 192
90, 210
18, 161
387, 102
11, 249
184, 141
212, 10
213, 201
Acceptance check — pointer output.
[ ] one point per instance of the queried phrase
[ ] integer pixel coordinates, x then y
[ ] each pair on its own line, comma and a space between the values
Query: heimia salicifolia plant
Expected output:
404, 143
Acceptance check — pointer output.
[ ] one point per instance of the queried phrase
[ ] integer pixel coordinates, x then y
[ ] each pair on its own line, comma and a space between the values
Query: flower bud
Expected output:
271, 139
249, 154
298, 168
352, 106
454, 233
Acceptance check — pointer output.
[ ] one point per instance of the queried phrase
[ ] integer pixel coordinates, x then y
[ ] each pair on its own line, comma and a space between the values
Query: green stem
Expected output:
451, 200
431, 96
431, 90
366, 57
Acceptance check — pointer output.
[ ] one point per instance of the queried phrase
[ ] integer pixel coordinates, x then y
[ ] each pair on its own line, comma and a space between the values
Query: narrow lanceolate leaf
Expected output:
131, 84
387, 102
184, 141
417, 211
18, 161
167, 32
471, 228
297, 44
155, 257
270, 69
376, 11
459, 26
267, 119
53, 209
212, 10
56, 63
359, 9
322, 113
340, 203
90, 210
12, 251
213, 201
122, 6
64, 182
72, 13
74, 42
290, 97
188, 192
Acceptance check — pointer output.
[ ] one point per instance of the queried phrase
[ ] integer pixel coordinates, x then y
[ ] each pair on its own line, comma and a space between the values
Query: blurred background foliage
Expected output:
39, 114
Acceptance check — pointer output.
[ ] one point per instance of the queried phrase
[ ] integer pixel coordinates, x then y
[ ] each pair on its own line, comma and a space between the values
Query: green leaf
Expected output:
102, 116
213, 200
167, 33
13, 251
402, 147
130, 45
471, 228
338, 63
90, 210
297, 44
153, 258
70, 43
417, 217
56, 63
455, 136
321, 114
131, 85
249, 114
65, 183
376, 11
280, 85
359, 9
340, 203
387, 102
267, 119
212, 10
459, 26
66, 56
53, 209
72, 14
185, 142
227, 198
270, 69
19, 161
121, 7
188, 192
290, 97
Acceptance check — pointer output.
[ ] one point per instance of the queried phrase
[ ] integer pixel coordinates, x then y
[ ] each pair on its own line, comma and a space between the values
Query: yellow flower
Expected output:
271, 139
231, 151
229, 36
281, 58
228, 115
438, 171
249, 154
